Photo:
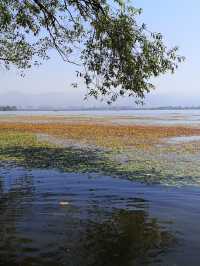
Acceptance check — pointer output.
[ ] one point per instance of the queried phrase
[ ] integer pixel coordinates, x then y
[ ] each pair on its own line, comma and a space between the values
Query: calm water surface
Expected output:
108, 222
163, 117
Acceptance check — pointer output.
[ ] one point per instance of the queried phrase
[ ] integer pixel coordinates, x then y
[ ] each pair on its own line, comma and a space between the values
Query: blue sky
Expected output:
179, 22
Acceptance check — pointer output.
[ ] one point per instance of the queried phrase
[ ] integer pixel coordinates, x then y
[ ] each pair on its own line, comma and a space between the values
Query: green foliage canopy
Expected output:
114, 55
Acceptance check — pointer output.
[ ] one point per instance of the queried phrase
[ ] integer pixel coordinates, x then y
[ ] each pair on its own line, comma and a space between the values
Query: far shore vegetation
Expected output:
8, 108
101, 108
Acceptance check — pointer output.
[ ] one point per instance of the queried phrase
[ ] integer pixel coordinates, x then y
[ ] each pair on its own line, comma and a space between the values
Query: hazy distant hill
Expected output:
35, 100
66, 100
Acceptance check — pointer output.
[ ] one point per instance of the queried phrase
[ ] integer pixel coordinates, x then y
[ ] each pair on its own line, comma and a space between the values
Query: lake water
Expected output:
158, 117
102, 221
107, 221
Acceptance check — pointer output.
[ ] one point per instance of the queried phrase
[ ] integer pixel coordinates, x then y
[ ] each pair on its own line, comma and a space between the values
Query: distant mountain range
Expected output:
67, 101
29, 100
119, 108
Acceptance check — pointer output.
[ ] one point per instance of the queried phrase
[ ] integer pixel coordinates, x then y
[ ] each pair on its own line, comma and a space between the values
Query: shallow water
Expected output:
183, 139
108, 222
149, 117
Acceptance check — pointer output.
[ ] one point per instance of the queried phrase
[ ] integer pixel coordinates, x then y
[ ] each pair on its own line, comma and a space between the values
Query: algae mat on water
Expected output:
83, 145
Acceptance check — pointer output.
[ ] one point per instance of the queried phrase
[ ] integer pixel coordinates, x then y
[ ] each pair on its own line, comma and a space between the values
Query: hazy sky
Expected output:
179, 22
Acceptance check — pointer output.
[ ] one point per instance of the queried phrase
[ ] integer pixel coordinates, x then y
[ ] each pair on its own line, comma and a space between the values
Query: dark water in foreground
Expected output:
108, 222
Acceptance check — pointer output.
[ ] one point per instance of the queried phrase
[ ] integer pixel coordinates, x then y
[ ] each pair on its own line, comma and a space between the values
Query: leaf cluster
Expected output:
114, 55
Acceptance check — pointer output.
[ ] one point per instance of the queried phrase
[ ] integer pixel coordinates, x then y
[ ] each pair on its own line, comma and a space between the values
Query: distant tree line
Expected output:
8, 108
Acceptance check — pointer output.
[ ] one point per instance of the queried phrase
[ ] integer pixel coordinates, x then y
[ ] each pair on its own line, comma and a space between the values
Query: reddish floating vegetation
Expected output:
141, 150
105, 134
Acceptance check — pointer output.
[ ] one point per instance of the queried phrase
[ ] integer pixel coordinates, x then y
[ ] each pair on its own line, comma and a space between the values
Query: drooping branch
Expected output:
118, 56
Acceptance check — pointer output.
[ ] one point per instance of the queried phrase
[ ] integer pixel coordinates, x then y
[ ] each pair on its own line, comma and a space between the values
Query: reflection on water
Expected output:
108, 222
127, 238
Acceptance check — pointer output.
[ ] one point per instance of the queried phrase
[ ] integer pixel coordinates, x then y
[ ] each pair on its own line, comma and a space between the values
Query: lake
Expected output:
164, 117
50, 216
106, 221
